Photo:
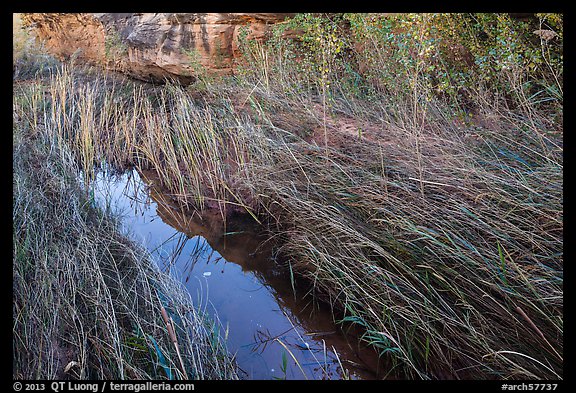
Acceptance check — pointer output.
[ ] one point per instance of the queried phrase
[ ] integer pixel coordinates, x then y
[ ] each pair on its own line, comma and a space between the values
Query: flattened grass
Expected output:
441, 237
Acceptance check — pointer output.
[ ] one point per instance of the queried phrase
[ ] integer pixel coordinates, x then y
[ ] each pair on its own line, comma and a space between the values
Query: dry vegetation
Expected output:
432, 220
88, 303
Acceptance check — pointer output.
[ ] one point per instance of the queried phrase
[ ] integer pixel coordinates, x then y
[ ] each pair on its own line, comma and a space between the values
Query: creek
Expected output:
229, 271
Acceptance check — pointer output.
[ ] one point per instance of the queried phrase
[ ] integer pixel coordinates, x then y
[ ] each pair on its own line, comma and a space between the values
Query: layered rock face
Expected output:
152, 46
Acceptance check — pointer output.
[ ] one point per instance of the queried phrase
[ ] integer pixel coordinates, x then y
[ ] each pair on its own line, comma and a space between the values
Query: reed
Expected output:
87, 301
439, 233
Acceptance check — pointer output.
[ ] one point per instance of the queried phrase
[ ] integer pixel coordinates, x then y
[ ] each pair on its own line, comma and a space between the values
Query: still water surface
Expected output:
230, 272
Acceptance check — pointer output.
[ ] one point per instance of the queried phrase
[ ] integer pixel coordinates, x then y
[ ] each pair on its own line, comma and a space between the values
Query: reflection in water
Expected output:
273, 328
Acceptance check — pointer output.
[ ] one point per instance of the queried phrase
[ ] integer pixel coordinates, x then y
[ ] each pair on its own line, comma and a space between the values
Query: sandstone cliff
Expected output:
151, 46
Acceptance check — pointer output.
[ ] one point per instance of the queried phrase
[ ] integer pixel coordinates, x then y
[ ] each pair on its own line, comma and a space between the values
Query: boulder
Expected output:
152, 46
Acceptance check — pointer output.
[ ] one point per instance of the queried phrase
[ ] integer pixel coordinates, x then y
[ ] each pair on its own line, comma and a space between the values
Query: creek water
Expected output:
229, 271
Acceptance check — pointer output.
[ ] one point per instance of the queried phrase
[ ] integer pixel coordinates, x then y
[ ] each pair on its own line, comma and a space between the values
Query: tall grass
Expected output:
88, 303
441, 237
436, 228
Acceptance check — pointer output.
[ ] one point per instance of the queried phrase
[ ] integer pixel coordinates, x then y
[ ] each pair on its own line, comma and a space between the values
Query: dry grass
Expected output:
442, 238
88, 303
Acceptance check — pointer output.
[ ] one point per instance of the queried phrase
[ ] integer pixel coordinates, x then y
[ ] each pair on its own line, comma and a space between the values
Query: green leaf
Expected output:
161, 358
284, 362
